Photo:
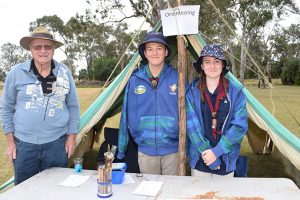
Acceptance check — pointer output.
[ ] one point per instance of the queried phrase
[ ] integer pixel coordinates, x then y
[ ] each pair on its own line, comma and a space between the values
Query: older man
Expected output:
40, 109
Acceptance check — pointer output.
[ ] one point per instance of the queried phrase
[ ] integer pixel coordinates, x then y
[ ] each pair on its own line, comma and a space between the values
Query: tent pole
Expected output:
181, 100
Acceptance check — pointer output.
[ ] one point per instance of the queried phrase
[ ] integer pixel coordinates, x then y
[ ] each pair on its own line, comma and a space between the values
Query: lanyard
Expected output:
214, 109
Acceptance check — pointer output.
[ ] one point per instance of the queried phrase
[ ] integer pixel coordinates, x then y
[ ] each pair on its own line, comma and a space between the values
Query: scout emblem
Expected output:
173, 88
140, 89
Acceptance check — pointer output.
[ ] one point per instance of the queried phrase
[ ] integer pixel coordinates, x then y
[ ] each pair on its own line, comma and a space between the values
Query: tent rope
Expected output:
249, 68
246, 50
255, 64
287, 109
92, 97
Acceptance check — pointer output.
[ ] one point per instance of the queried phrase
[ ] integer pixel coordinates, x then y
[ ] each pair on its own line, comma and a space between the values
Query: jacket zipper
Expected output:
46, 108
222, 130
48, 98
155, 117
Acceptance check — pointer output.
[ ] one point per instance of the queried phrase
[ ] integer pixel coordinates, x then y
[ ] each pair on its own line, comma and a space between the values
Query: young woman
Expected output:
216, 116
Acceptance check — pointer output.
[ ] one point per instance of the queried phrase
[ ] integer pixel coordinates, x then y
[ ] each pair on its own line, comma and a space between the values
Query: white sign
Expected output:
180, 20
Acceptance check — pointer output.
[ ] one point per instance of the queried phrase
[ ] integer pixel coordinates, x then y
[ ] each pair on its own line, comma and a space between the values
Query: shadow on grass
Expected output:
266, 165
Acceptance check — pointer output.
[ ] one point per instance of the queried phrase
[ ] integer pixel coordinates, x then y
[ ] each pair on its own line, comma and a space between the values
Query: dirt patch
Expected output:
214, 195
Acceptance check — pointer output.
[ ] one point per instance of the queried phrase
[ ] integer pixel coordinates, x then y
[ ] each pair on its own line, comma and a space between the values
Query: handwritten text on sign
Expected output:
180, 20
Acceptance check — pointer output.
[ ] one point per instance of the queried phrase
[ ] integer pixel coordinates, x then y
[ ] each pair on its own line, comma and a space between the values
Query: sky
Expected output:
16, 15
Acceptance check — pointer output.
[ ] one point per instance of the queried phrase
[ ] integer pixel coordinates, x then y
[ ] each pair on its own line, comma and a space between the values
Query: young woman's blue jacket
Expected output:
233, 130
150, 115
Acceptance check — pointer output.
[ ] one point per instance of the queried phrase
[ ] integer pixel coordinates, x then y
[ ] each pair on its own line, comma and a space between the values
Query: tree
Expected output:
232, 23
290, 72
276, 69
57, 26
286, 50
105, 10
83, 37
259, 51
11, 55
286, 42
82, 74
213, 29
103, 66
118, 45
252, 16
89, 39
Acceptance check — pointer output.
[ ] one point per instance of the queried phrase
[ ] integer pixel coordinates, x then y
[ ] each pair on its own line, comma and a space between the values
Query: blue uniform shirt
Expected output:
207, 119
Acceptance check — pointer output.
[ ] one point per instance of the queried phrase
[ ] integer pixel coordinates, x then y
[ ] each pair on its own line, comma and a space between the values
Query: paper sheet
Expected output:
148, 188
128, 179
74, 180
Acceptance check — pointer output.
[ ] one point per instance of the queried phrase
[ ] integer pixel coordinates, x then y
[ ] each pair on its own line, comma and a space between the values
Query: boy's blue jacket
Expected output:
34, 117
233, 130
150, 115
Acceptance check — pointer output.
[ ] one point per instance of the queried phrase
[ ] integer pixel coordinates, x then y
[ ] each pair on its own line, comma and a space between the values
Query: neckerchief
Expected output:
153, 80
214, 109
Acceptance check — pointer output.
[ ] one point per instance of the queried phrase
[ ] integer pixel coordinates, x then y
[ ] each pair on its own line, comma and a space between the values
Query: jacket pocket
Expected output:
160, 130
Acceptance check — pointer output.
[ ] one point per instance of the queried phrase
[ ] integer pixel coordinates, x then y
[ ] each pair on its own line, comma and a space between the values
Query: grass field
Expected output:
259, 165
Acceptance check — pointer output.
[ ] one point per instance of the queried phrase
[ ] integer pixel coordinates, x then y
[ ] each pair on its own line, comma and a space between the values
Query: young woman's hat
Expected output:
215, 51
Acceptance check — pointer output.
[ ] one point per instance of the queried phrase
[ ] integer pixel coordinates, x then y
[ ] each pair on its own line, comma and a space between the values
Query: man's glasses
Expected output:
39, 47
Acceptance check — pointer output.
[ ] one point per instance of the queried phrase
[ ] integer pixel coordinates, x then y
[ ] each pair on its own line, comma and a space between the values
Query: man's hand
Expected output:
11, 147
208, 156
70, 144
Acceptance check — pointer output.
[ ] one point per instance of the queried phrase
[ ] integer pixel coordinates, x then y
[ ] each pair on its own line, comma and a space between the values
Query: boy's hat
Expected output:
156, 37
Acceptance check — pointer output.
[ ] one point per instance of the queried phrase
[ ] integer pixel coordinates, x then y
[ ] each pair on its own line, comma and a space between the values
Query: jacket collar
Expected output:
27, 66
142, 73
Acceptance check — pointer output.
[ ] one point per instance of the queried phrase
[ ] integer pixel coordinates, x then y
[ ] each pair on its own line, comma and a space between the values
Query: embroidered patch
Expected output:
27, 105
173, 89
140, 89
51, 112
30, 89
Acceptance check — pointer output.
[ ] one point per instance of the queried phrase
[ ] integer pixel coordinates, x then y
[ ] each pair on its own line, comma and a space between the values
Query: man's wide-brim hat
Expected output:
156, 37
39, 33
215, 51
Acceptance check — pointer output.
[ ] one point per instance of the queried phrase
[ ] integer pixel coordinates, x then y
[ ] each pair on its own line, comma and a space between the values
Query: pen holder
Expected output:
104, 183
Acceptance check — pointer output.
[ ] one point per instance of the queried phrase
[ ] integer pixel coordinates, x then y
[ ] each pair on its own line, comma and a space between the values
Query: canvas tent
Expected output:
264, 129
